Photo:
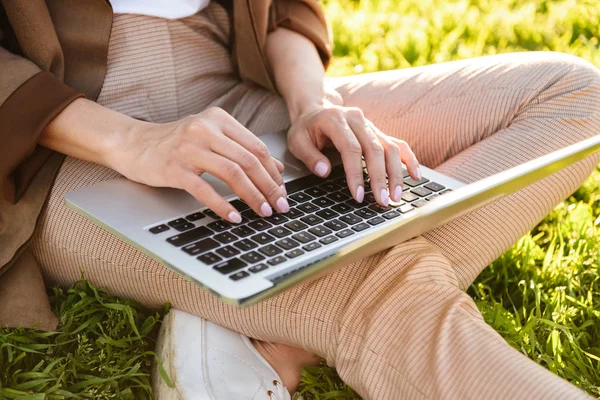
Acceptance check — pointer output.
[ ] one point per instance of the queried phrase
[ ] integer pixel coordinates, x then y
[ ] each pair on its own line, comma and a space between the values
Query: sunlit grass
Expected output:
542, 295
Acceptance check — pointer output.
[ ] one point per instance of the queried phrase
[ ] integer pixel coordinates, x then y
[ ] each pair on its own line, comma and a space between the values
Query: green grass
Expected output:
542, 295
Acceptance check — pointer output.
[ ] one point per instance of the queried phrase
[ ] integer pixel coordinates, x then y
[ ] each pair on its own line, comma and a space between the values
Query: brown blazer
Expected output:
54, 51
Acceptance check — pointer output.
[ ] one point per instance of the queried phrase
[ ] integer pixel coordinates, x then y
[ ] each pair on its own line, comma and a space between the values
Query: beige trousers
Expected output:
396, 325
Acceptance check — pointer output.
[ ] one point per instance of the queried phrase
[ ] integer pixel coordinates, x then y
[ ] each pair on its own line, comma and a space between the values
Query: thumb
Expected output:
304, 149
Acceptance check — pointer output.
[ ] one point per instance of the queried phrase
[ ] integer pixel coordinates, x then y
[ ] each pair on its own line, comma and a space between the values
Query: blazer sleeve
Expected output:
307, 18
29, 100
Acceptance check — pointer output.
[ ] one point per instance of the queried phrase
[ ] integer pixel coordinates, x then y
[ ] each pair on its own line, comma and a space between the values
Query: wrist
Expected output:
303, 106
122, 138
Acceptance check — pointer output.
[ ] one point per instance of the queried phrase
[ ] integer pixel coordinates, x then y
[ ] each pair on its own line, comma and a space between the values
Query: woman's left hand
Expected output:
347, 129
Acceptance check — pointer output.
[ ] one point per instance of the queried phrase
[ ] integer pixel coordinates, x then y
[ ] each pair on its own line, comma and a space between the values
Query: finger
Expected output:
235, 177
303, 148
238, 133
408, 158
393, 163
347, 144
201, 190
374, 154
254, 169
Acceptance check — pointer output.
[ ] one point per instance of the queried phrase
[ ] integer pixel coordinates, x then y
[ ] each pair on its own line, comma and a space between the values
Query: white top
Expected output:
170, 9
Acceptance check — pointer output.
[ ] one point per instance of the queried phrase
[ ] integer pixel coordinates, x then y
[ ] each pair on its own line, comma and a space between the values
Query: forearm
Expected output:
89, 131
298, 70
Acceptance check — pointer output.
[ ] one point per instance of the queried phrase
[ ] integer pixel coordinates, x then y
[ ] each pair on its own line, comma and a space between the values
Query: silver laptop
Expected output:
325, 228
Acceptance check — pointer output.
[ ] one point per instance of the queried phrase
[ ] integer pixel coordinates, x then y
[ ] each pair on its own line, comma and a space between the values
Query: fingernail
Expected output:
234, 217
266, 210
282, 205
360, 194
398, 194
419, 172
385, 198
321, 169
283, 188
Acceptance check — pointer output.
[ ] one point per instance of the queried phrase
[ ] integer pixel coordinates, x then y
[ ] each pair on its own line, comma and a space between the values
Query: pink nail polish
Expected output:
282, 205
234, 217
398, 194
385, 198
321, 169
360, 194
283, 188
266, 210
419, 172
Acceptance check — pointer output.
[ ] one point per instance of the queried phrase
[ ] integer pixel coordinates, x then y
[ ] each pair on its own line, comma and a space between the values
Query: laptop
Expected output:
324, 230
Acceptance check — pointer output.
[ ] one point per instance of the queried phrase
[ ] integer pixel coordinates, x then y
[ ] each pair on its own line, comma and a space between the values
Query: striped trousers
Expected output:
396, 325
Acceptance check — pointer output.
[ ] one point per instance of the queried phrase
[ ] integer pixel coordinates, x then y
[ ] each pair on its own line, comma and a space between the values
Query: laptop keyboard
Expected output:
321, 213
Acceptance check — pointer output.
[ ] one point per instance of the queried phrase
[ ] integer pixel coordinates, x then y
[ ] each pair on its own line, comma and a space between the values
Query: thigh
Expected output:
474, 118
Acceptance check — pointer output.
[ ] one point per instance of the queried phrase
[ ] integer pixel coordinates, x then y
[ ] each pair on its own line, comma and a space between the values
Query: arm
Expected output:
174, 154
317, 122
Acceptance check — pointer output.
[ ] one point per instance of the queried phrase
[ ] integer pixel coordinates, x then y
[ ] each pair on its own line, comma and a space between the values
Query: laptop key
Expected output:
276, 260
245, 245
405, 173
259, 225
370, 198
445, 191
433, 196
159, 229
409, 196
323, 202
229, 266
421, 191
338, 197
342, 208
250, 215
335, 224
308, 207
219, 226
242, 231
413, 183
350, 219
294, 213
391, 214
195, 216
280, 231
406, 208
303, 237
225, 237
296, 226
319, 231
315, 192
287, 244
328, 239
190, 236
176, 222
419, 203
211, 213
344, 233
200, 247
253, 257
270, 250
361, 227
312, 220
365, 213
239, 275
330, 187
209, 258
184, 227
257, 268
294, 253
227, 251
353, 203
376, 220
434, 186
263, 238
327, 214
239, 205
311, 246
277, 219
300, 197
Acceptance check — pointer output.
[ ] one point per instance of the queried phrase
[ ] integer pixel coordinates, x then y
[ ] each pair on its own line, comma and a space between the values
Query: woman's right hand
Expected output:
176, 154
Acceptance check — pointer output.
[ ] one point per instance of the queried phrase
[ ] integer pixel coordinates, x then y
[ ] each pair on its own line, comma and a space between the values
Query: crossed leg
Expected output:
397, 324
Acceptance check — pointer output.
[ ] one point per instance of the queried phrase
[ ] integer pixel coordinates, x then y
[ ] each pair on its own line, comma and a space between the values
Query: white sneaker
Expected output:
207, 361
